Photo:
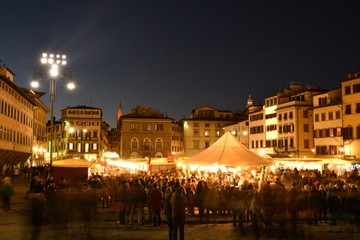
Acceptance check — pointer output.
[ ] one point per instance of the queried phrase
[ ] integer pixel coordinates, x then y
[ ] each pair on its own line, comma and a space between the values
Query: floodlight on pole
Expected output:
52, 64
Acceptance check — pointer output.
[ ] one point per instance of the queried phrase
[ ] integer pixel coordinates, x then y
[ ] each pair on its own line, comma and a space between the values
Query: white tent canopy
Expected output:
78, 163
228, 151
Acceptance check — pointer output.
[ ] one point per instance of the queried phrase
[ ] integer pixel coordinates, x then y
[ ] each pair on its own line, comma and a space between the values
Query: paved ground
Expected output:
14, 225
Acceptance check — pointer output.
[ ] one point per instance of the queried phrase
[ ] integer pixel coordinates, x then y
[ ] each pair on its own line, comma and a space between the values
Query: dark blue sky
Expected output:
174, 55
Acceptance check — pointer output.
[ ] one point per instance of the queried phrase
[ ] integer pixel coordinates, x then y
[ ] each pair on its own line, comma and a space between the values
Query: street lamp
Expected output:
52, 64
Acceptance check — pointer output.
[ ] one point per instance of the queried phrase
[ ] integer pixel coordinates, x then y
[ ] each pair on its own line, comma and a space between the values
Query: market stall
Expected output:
227, 155
73, 171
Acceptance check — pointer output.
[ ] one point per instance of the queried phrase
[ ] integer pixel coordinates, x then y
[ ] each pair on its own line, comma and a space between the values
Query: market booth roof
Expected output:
75, 163
228, 151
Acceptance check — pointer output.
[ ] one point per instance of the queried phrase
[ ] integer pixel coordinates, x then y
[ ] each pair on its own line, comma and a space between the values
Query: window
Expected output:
146, 144
306, 113
196, 124
356, 88
290, 115
87, 147
330, 115
134, 143
306, 143
316, 117
348, 133
337, 114
134, 127
306, 127
159, 127
159, 143
323, 117
280, 117
147, 127
322, 101
339, 131
285, 116
348, 109
207, 133
79, 147
358, 132
357, 108
207, 124
196, 133
347, 90
196, 144
291, 144
207, 144
71, 146
280, 143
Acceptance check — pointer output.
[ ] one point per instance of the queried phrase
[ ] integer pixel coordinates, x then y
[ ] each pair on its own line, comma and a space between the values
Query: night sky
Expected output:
175, 55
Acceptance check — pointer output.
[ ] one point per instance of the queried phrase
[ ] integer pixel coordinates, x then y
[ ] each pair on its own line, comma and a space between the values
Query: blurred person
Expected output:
178, 208
155, 204
167, 199
37, 203
121, 201
7, 191
85, 205
105, 194
50, 193
292, 205
137, 195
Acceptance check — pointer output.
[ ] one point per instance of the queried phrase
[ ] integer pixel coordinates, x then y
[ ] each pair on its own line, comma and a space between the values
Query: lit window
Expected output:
79, 147
87, 147
207, 133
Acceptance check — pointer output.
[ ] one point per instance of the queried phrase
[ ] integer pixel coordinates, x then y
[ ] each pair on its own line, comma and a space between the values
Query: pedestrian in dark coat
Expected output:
155, 204
178, 207
168, 195
85, 204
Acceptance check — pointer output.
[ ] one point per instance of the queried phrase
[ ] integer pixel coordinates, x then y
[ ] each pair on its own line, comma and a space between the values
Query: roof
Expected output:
74, 163
227, 150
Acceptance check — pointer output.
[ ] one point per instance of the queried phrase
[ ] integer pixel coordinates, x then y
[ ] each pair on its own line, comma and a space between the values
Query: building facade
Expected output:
80, 133
16, 121
328, 121
204, 127
350, 89
147, 133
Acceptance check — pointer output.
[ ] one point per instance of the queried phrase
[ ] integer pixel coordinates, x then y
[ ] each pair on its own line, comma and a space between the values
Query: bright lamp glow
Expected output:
54, 70
71, 85
34, 84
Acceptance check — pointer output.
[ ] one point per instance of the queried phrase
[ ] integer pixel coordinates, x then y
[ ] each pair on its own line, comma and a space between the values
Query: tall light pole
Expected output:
51, 65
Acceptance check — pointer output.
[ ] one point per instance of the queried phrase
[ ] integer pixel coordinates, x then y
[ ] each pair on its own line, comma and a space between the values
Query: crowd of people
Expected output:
137, 199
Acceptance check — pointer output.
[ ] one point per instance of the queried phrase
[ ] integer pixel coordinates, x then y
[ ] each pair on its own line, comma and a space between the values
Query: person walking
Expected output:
121, 201
85, 204
155, 204
178, 207
37, 202
7, 191
167, 199
137, 195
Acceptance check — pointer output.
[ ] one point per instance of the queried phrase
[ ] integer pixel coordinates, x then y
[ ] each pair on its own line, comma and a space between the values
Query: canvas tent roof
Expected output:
227, 150
76, 163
